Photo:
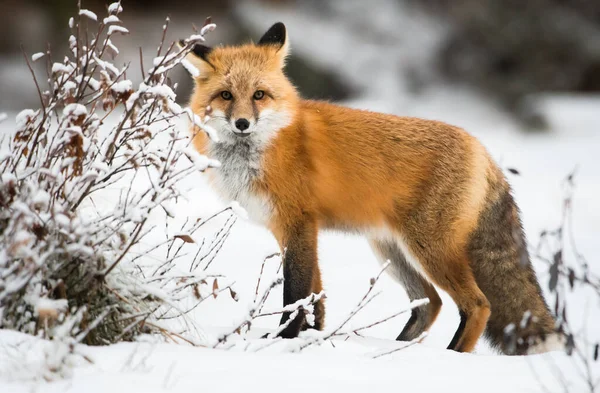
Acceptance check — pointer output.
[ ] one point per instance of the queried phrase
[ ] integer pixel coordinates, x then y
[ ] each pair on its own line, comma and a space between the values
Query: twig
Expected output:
37, 86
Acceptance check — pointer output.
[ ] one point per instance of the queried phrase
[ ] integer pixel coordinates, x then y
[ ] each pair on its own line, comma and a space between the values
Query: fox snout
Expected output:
242, 126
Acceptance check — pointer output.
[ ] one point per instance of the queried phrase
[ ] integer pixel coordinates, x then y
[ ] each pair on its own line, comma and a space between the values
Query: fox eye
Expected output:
259, 94
226, 95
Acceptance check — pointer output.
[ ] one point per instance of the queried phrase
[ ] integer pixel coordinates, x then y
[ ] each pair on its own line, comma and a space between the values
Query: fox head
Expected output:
243, 89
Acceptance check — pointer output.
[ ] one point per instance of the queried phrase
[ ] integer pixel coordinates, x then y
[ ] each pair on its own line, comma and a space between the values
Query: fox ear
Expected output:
198, 57
277, 36
202, 51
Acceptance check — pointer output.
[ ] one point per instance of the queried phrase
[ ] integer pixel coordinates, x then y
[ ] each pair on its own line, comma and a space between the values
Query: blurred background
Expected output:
509, 53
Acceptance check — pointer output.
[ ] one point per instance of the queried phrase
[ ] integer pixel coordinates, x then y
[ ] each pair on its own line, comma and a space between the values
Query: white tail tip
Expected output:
554, 342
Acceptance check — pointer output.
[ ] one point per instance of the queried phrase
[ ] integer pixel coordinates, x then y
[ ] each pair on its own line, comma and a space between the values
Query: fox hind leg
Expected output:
457, 280
417, 287
421, 318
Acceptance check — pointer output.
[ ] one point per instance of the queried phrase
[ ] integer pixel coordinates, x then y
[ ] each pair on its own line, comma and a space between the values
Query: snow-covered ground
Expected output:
347, 264
543, 160
347, 367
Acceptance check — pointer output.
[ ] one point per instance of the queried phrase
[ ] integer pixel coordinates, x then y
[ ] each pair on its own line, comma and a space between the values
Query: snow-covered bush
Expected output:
68, 268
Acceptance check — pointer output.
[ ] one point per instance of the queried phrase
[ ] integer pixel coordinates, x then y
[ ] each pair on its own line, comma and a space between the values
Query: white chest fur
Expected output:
240, 166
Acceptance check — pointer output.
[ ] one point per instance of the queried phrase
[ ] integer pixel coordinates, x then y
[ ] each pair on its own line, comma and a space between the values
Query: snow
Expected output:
69, 86
133, 98
22, 237
111, 19
195, 119
115, 8
122, 86
45, 305
37, 56
163, 59
75, 110
238, 210
209, 27
72, 42
162, 91
62, 68
88, 14
189, 67
101, 167
24, 117
62, 220
41, 197
106, 65
196, 37
151, 367
345, 364
117, 29
8, 178
112, 46
200, 161
93, 83
3, 116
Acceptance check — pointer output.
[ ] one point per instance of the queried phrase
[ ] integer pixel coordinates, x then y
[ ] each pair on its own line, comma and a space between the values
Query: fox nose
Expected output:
242, 124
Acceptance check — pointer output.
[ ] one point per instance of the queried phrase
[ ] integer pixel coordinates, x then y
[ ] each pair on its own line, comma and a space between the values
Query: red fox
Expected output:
426, 194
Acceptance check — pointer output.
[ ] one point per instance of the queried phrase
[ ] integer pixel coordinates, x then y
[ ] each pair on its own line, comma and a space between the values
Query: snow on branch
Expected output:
88, 14
115, 8
69, 268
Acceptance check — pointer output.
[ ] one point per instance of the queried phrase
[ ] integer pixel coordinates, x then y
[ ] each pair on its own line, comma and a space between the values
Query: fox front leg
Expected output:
301, 275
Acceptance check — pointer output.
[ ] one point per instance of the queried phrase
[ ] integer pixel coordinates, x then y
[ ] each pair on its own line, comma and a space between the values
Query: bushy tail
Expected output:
520, 321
